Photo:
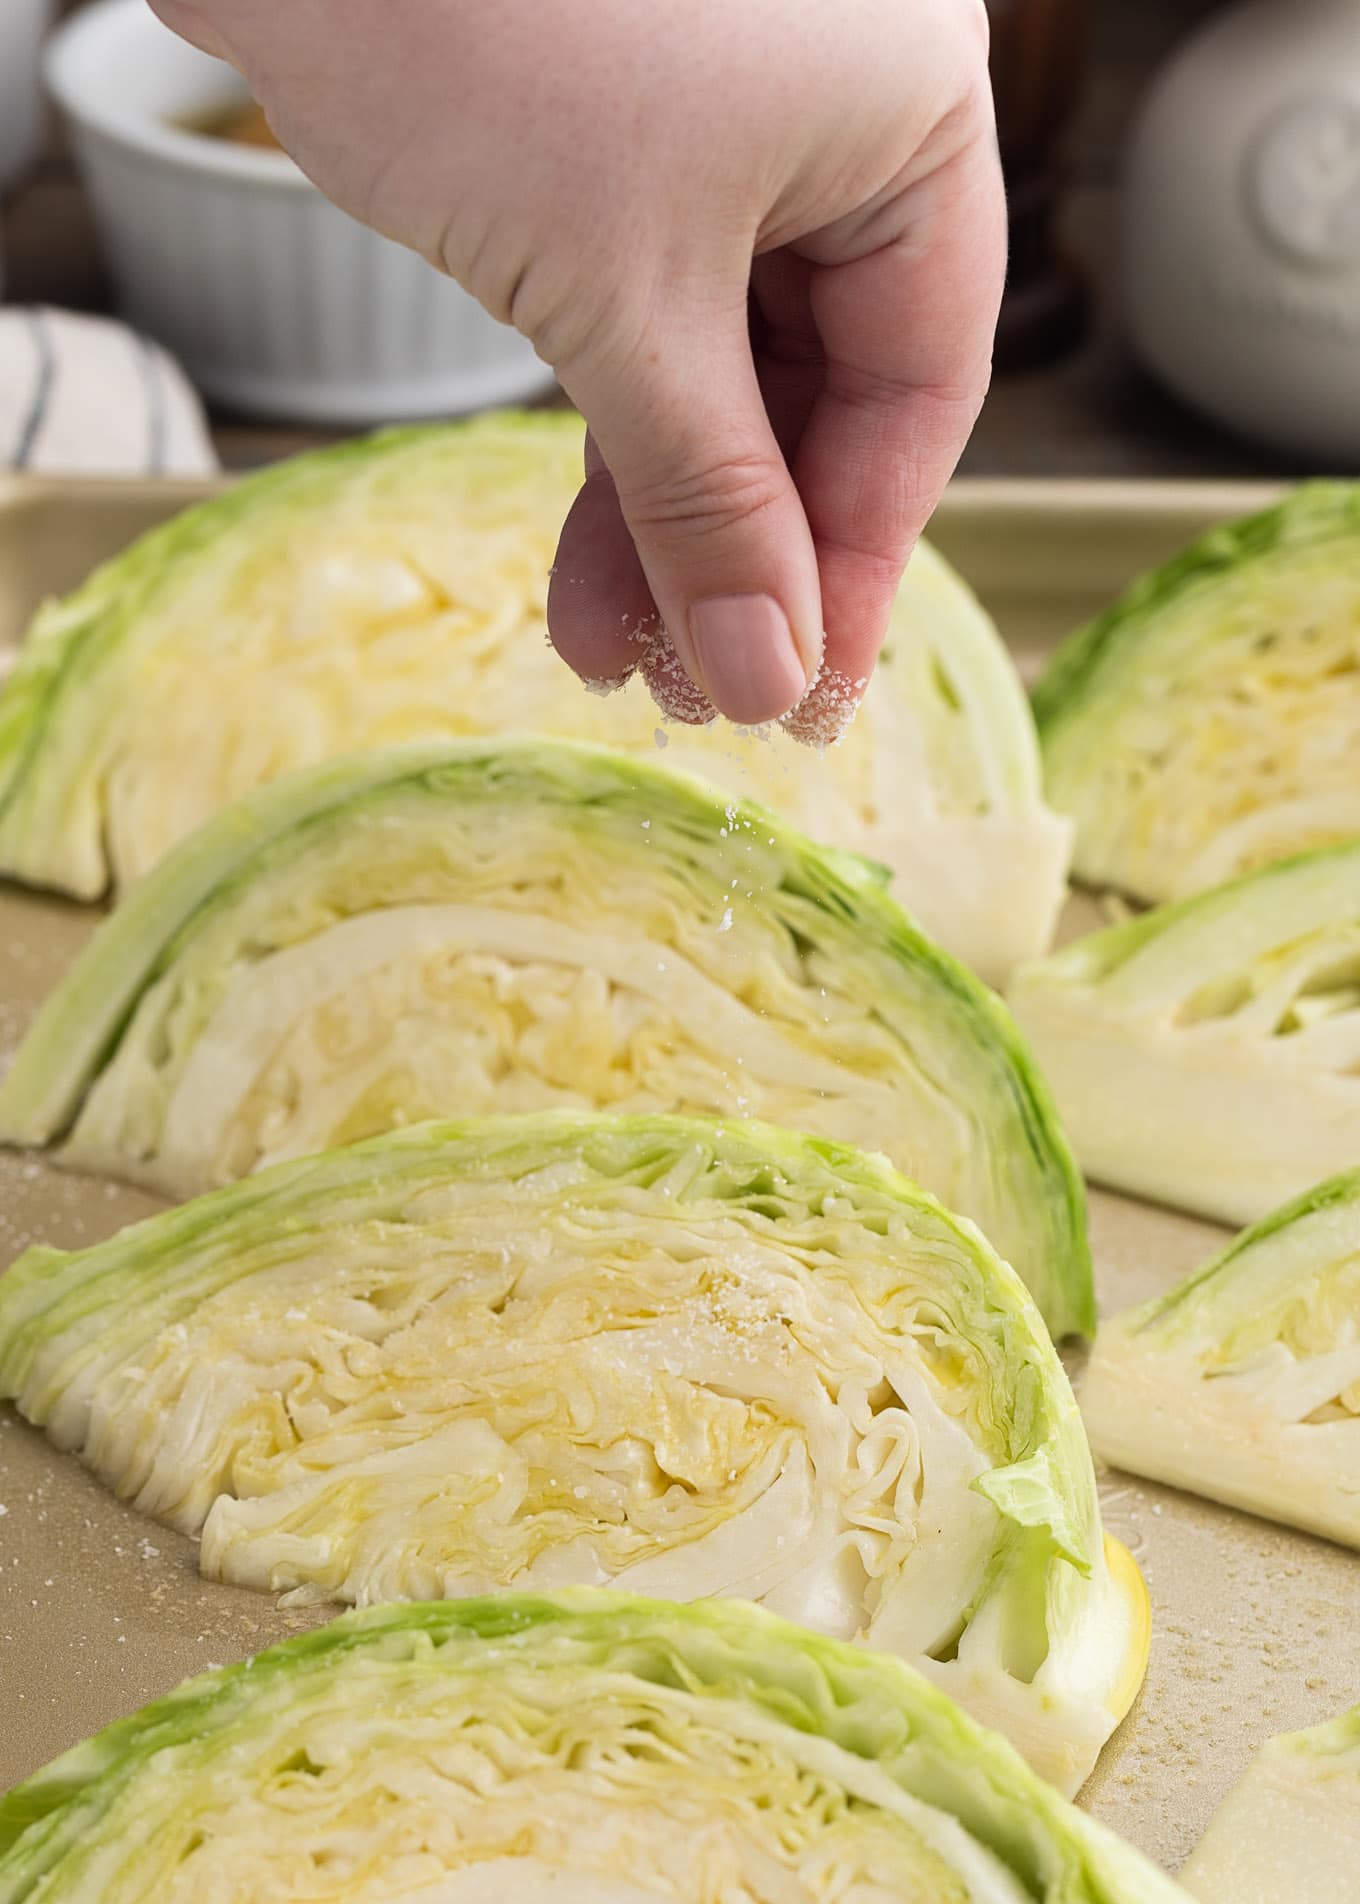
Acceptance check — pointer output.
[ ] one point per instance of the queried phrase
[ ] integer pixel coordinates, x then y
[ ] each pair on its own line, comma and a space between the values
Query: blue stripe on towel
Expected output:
42, 393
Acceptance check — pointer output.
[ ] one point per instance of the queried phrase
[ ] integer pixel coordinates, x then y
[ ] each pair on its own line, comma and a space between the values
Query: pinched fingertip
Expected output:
827, 711
676, 694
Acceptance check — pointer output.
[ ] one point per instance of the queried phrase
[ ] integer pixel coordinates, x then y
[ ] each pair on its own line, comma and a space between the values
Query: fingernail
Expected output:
745, 652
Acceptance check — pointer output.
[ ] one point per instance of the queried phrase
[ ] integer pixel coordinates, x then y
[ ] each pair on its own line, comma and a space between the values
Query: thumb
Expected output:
193, 22
707, 500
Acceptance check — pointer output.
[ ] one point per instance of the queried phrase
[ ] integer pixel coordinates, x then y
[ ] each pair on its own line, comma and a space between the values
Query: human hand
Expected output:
761, 245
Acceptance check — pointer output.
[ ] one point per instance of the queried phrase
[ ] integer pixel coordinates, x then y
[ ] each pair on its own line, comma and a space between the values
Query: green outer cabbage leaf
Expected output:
349, 1267
1243, 1384
1206, 723
744, 893
1207, 1054
842, 1717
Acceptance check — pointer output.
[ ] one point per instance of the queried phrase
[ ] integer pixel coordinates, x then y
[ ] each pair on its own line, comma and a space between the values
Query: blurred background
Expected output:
87, 225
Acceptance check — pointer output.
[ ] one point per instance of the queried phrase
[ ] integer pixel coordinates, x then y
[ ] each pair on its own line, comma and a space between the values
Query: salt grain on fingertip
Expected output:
604, 685
671, 687
824, 715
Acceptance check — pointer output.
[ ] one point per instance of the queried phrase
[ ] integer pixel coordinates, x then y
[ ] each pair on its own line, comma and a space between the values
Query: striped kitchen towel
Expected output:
85, 396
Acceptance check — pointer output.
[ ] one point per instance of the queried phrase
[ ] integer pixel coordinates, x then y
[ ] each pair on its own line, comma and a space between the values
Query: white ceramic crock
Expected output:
1241, 233
274, 300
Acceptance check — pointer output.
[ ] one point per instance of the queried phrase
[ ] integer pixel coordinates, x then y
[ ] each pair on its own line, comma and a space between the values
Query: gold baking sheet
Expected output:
1256, 1629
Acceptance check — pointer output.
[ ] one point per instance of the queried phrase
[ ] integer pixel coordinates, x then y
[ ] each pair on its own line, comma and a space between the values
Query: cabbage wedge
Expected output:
656, 1353
394, 589
475, 927
1208, 723
575, 1748
1207, 1054
1244, 1383
1290, 1828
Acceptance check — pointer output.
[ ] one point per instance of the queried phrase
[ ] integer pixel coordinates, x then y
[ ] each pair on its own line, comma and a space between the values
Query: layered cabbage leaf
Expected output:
476, 927
394, 589
684, 1358
1208, 723
1244, 1383
1290, 1827
1207, 1054
576, 1748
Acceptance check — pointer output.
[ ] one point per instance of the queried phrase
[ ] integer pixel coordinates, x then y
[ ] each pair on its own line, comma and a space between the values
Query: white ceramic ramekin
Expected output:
273, 299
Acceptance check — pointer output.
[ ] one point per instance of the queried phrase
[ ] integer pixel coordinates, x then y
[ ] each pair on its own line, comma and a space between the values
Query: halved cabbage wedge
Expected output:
394, 589
476, 927
1289, 1830
685, 1358
1208, 723
1244, 1383
575, 1748
1207, 1054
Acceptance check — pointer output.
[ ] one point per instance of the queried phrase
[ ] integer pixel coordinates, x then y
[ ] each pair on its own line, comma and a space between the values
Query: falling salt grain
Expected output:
725, 923
661, 739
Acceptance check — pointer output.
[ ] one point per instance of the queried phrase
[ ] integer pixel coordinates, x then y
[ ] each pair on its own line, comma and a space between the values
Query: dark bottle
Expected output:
1038, 58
